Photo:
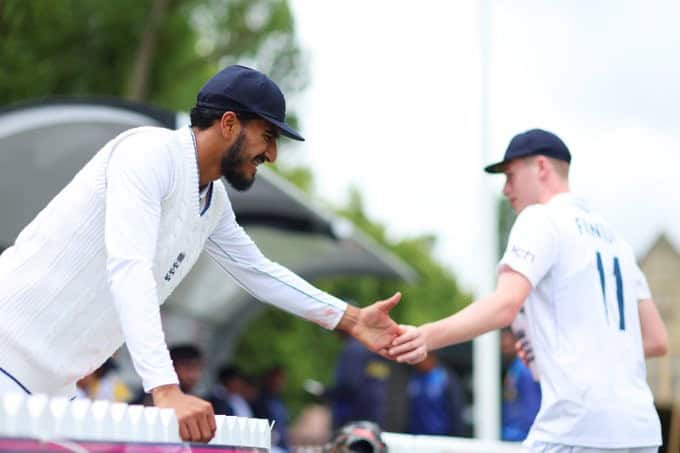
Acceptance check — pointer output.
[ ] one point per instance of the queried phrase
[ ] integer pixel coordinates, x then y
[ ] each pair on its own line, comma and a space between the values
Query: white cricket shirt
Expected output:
583, 322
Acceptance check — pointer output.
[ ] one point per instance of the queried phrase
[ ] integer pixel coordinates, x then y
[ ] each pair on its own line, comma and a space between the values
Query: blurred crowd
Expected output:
233, 393
429, 398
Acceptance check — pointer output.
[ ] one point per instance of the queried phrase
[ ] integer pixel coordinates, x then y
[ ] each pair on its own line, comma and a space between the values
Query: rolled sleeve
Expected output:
642, 290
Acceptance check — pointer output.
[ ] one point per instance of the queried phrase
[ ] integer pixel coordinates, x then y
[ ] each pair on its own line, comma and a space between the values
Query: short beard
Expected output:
232, 166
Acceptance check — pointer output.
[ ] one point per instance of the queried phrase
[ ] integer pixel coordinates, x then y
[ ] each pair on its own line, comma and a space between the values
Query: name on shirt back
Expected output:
596, 230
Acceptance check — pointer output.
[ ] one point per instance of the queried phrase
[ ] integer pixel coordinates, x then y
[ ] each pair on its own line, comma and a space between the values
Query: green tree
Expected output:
157, 51
506, 217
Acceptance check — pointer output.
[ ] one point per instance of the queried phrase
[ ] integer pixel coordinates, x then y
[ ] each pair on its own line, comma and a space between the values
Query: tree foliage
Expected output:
157, 51
506, 217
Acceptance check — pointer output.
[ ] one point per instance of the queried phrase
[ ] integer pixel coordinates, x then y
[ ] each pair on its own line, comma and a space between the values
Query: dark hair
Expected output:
274, 370
204, 117
228, 372
183, 352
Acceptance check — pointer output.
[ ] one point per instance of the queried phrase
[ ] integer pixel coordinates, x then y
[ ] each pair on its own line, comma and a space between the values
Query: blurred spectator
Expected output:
229, 396
435, 400
104, 384
269, 405
311, 427
396, 407
251, 389
360, 391
521, 394
188, 362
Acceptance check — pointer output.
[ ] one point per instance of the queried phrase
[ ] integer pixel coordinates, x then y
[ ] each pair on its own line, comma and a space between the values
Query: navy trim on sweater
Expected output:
16, 381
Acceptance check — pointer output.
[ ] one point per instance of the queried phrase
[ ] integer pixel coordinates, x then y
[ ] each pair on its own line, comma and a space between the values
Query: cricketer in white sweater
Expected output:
91, 270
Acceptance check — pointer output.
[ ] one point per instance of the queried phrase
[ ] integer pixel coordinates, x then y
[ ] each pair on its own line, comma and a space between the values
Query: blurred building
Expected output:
661, 265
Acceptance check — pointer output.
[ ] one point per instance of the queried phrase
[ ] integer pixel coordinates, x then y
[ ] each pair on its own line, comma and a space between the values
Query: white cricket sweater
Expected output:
91, 270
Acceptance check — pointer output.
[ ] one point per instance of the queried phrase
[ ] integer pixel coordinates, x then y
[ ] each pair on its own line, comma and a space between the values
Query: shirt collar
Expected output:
568, 198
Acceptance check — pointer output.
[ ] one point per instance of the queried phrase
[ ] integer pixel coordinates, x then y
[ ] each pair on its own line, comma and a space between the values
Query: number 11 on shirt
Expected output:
619, 288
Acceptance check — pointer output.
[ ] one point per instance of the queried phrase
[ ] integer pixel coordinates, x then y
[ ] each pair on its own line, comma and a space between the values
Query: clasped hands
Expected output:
373, 327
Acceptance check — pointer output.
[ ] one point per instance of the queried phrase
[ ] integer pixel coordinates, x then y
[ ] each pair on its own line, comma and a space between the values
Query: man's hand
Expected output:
410, 346
195, 416
524, 351
372, 325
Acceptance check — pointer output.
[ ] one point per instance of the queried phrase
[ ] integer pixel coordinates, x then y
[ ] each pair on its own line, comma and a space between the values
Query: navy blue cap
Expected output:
244, 89
532, 143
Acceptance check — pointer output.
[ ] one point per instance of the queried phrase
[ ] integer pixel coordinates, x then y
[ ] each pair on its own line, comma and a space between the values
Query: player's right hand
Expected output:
195, 417
524, 351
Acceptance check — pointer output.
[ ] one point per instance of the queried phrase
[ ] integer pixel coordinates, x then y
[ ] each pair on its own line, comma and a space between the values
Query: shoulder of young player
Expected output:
538, 215
537, 224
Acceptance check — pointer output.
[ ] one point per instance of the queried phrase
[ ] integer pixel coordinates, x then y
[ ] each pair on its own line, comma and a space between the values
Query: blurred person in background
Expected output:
187, 360
590, 317
91, 270
104, 384
311, 427
435, 400
360, 386
270, 405
521, 393
228, 396
251, 389
189, 366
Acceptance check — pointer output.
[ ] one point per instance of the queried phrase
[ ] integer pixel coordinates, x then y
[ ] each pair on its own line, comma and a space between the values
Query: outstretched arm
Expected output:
486, 314
237, 255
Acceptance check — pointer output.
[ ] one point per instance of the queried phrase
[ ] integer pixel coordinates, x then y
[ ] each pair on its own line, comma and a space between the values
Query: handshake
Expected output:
375, 329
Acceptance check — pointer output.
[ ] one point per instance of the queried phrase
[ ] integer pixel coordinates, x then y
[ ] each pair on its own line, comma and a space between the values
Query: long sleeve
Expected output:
139, 175
238, 256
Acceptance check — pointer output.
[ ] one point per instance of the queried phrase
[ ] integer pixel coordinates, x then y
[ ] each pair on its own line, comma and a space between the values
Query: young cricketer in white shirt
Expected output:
591, 319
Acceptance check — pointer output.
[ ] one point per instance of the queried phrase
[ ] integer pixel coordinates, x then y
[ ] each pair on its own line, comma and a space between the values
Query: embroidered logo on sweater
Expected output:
175, 266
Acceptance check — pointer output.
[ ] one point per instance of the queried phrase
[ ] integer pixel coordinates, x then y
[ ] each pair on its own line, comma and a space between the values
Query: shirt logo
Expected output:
174, 267
523, 254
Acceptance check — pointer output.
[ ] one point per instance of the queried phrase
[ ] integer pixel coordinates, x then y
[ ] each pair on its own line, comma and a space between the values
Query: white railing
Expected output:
407, 443
42, 418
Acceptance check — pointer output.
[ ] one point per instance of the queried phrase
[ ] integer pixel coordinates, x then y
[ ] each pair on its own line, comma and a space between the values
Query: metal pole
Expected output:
486, 358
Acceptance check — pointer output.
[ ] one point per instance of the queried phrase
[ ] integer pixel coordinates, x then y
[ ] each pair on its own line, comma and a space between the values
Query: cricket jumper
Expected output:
91, 270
